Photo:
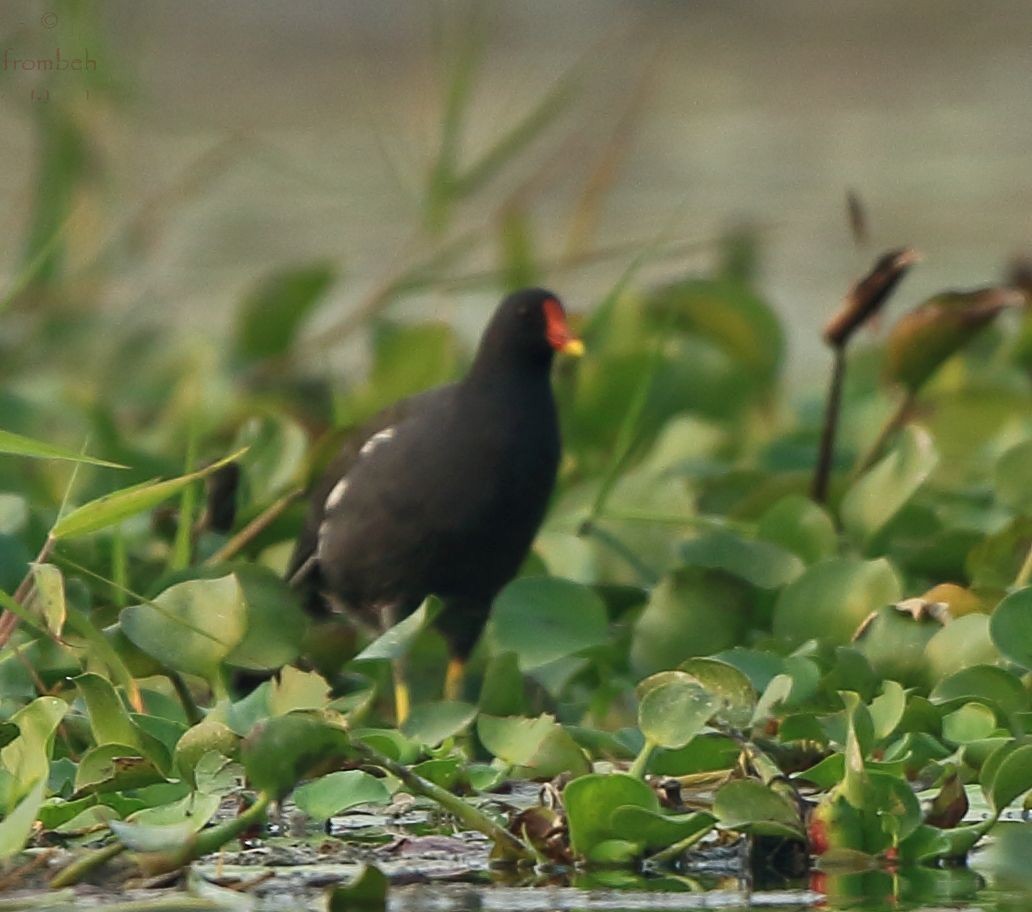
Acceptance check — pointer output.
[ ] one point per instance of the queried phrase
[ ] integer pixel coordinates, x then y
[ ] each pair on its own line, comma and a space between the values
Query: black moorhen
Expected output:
443, 493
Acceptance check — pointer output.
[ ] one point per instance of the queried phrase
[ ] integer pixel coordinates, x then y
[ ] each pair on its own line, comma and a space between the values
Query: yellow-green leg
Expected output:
453, 678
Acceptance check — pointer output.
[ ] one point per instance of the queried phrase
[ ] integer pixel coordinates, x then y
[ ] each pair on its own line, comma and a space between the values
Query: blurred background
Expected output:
206, 144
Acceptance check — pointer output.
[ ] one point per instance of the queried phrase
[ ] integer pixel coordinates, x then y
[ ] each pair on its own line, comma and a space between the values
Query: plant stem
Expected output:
75, 871
254, 528
208, 841
193, 713
893, 423
826, 455
474, 818
641, 762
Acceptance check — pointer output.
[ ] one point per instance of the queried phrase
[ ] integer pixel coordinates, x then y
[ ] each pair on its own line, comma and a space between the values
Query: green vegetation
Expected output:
698, 643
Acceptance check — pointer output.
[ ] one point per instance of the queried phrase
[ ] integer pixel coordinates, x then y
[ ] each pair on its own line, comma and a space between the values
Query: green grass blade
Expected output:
19, 445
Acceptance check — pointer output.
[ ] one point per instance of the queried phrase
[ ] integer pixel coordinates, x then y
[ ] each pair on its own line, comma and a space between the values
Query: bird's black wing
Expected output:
302, 570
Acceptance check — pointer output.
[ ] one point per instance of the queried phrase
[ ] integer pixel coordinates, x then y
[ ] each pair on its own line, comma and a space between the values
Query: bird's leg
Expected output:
453, 678
402, 700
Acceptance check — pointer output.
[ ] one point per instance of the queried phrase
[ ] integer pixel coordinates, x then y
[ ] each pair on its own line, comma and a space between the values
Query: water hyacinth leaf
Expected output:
691, 612
832, 598
270, 317
17, 826
882, 492
141, 837
110, 721
1011, 627
735, 694
534, 744
590, 802
894, 642
970, 722
895, 803
502, 692
654, 830
987, 684
17, 445
279, 752
295, 689
276, 623
1013, 478
335, 793
759, 563
113, 508
674, 712
390, 742
544, 619
963, 642
217, 775
48, 597
206, 736
1010, 777
924, 338
799, 525
431, 723
887, 709
114, 768
365, 892
27, 757
194, 810
397, 641
750, 806
190, 627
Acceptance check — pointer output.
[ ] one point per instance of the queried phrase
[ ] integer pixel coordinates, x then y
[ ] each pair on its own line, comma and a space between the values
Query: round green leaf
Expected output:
971, 722
329, 795
431, 723
192, 626
832, 598
673, 713
749, 805
986, 684
799, 525
276, 623
590, 802
281, 751
1011, 627
735, 694
544, 619
880, 494
759, 563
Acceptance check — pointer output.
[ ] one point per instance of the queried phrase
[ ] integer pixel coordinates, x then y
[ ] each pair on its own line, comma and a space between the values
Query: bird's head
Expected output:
530, 325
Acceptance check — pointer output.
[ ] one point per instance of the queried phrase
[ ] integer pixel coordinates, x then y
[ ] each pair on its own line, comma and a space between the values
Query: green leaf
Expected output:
113, 508
539, 745
799, 525
986, 684
882, 492
732, 689
269, 318
17, 445
190, 627
971, 722
205, 737
282, 751
110, 721
887, 709
48, 597
27, 757
114, 768
1011, 776
365, 892
276, 623
691, 612
295, 689
590, 802
1013, 478
655, 830
16, 827
337, 792
750, 806
832, 598
431, 723
675, 711
759, 563
1011, 627
397, 641
543, 619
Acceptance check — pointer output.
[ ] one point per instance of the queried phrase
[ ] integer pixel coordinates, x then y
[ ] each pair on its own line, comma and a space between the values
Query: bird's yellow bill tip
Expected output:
574, 348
